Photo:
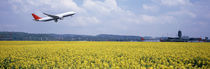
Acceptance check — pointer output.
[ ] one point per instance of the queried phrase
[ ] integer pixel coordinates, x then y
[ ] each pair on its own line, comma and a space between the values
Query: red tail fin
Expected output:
35, 16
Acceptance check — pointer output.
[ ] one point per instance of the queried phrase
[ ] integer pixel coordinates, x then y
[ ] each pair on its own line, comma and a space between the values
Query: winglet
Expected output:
36, 17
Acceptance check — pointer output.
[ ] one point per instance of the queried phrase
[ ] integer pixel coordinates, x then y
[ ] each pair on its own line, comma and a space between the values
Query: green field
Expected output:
100, 55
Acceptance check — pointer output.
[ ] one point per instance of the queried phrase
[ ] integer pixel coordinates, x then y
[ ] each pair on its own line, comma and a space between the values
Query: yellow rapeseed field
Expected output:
103, 55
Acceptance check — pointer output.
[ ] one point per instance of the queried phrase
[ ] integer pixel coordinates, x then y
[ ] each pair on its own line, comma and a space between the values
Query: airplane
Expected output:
52, 17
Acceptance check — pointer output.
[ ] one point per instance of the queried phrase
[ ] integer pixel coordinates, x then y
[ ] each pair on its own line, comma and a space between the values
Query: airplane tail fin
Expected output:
35, 16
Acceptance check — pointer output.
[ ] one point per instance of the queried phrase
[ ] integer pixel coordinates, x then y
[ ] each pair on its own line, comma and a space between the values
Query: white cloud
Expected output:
108, 11
102, 7
95, 6
150, 7
175, 2
162, 19
85, 20
182, 13
44, 5
149, 19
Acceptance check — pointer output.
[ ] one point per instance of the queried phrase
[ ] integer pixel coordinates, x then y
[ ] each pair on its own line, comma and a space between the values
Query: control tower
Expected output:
180, 34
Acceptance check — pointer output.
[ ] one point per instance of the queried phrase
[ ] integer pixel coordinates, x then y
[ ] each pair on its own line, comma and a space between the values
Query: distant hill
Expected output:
22, 36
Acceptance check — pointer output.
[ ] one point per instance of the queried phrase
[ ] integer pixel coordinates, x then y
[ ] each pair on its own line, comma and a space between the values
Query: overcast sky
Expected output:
120, 17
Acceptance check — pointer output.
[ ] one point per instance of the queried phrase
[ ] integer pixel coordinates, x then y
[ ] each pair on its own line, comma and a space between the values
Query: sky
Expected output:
154, 18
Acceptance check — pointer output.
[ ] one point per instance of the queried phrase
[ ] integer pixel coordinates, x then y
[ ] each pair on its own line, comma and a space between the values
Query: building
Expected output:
180, 38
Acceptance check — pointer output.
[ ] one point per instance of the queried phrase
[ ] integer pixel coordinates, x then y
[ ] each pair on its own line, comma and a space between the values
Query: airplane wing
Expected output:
66, 14
53, 16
